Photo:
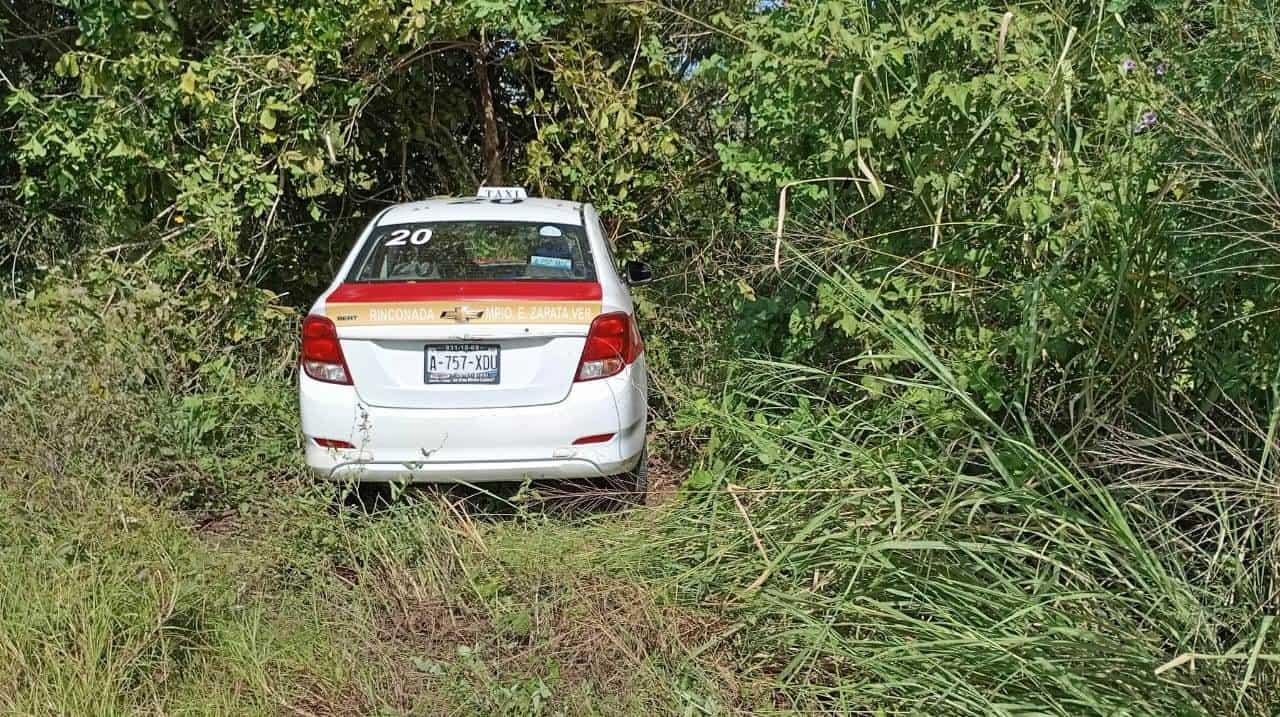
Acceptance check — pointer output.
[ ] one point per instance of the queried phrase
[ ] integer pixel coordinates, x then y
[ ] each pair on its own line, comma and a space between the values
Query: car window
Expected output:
475, 251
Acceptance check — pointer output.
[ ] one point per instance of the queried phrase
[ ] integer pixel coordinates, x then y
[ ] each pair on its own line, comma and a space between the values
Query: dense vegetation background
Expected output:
966, 356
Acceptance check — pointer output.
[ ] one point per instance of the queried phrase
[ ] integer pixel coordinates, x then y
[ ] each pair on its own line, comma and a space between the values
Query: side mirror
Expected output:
638, 273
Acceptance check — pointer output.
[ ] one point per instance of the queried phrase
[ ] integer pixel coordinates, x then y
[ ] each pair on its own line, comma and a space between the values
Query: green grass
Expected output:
161, 553
113, 604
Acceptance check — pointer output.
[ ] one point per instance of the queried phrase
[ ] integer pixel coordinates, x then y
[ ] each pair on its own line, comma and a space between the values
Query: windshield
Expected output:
475, 251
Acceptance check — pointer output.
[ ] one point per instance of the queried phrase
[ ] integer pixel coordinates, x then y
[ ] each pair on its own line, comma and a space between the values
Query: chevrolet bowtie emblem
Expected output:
461, 314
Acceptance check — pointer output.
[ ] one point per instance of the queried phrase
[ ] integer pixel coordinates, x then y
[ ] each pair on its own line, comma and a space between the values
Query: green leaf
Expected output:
34, 147
428, 666
121, 150
68, 65
267, 118
21, 97
889, 126
958, 93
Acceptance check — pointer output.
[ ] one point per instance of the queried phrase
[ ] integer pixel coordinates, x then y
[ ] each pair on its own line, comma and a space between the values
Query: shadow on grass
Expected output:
497, 500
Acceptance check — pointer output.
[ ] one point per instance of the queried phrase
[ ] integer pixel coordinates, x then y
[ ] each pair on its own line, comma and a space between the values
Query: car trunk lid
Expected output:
522, 338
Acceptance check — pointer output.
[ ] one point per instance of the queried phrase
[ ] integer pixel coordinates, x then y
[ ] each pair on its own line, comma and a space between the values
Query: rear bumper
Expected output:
476, 444
474, 472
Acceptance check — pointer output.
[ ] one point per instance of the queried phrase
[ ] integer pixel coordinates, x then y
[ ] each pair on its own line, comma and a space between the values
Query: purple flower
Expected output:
1161, 69
1146, 122
1128, 66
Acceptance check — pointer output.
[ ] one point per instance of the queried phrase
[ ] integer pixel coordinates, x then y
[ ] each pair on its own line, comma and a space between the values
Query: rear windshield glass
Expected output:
475, 251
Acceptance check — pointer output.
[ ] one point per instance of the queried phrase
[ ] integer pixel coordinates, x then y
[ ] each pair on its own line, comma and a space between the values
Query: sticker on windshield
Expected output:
551, 262
402, 237
550, 230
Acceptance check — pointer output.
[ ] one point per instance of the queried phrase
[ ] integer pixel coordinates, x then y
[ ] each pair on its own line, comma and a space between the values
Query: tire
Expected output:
633, 486
367, 496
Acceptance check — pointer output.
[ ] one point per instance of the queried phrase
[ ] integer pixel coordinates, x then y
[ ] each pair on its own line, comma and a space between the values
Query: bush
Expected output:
105, 378
909, 553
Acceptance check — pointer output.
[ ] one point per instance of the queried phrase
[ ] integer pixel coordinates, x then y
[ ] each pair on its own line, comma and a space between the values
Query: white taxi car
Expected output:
477, 339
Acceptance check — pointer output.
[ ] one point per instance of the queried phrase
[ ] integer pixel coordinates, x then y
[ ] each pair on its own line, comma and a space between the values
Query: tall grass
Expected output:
916, 553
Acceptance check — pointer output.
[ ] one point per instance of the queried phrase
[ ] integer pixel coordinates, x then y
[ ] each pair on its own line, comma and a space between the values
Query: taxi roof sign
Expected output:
511, 194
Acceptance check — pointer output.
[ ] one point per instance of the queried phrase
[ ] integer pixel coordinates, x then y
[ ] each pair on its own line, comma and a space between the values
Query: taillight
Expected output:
322, 357
597, 438
612, 343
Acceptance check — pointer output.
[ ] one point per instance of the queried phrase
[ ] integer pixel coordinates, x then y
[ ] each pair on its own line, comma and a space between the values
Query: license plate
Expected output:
462, 363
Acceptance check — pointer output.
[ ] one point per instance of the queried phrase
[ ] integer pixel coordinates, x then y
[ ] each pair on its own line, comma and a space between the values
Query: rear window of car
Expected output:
475, 251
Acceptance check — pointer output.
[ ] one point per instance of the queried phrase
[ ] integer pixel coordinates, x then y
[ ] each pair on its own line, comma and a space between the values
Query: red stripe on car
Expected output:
443, 290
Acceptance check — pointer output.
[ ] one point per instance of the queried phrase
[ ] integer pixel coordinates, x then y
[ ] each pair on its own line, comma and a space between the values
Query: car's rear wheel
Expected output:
632, 487
369, 496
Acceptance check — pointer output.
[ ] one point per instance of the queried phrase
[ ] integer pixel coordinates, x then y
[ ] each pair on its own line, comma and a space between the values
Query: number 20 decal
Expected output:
416, 238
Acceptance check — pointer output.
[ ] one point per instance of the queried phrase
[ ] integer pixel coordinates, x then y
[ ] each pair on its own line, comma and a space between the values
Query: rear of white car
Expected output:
475, 340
